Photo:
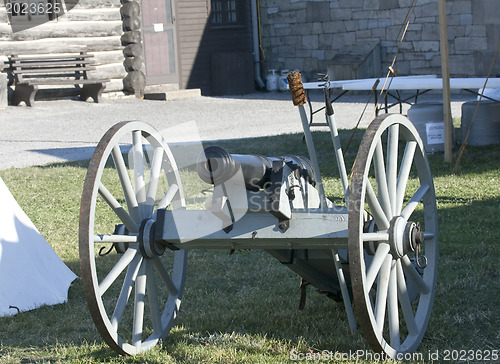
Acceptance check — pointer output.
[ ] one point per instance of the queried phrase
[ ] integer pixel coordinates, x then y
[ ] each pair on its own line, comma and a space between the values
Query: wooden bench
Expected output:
32, 71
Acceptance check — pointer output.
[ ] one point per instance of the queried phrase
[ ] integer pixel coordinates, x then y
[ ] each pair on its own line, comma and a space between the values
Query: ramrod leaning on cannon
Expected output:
379, 249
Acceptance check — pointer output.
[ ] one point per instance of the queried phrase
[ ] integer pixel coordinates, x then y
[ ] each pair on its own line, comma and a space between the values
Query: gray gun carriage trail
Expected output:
373, 251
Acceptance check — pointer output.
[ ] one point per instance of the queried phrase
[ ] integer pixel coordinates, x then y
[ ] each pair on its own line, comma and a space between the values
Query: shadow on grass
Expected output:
239, 301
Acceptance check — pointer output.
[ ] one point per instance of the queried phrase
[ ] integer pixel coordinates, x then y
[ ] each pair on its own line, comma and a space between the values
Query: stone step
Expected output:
173, 94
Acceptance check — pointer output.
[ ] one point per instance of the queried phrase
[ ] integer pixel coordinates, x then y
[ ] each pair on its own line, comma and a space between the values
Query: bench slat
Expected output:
41, 58
63, 81
24, 65
56, 71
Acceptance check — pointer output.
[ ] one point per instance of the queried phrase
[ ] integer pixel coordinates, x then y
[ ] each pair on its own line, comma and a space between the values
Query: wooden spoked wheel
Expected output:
133, 285
393, 236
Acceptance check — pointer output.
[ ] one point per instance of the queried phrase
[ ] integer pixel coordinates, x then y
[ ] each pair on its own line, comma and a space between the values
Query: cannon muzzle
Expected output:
215, 166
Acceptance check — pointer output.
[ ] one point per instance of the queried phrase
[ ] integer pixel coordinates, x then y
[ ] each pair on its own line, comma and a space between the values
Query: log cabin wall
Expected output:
92, 25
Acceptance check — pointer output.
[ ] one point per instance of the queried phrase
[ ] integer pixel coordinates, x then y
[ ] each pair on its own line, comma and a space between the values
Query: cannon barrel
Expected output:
215, 166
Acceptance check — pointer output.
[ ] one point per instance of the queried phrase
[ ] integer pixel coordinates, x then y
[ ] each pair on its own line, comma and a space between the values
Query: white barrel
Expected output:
428, 120
486, 127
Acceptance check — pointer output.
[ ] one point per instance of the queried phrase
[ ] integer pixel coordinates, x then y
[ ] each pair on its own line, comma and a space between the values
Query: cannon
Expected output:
377, 250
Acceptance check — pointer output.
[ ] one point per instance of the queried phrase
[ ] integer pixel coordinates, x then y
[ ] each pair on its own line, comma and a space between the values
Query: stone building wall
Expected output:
309, 34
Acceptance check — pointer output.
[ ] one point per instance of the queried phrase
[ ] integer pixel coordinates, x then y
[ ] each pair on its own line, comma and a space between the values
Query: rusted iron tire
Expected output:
117, 215
391, 191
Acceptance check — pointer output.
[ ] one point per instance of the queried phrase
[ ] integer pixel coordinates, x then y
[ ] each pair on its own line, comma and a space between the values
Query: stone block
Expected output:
333, 27
461, 7
371, 4
3, 90
468, 44
465, 19
363, 34
426, 46
384, 22
455, 31
318, 54
351, 4
389, 4
340, 14
475, 31
317, 11
430, 31
365, 14
492, 31
486, 12
351, 25
482, 62
461, 65
325, 41
317, 28
310, 41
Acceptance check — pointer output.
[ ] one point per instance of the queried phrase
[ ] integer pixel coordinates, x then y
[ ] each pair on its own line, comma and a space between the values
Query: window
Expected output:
226, 13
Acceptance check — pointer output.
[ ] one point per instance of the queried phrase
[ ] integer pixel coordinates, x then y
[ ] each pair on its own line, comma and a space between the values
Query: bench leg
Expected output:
92, 90
24, 93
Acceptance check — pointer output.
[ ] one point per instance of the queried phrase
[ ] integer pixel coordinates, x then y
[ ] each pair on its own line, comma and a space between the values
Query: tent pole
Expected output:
445, 70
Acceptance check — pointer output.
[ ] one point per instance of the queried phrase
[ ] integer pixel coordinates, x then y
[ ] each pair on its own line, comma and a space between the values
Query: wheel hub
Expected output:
404, 237
147, 244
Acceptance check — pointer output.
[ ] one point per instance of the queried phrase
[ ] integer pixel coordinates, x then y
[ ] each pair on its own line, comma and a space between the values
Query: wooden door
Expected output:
159, 40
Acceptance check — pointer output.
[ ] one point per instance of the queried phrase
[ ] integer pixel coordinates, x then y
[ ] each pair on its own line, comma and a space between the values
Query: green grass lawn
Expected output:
243, 307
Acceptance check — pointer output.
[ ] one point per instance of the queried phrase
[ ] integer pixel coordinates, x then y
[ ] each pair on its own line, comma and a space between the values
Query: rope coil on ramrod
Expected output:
296, 88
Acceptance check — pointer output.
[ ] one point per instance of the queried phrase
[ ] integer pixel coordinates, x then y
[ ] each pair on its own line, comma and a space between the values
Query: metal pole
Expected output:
445, 70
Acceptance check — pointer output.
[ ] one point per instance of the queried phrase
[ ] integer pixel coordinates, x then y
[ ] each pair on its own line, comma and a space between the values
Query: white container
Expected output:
272, 80
486, 127
428, 120
283, 81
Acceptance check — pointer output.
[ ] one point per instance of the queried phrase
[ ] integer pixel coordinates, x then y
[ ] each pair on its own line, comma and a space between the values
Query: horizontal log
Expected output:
95, 14
114, 70
61, 45
115, 84
108, 57
95, 4
64, 29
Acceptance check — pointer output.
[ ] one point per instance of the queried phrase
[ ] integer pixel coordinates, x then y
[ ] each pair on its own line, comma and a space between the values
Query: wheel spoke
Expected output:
382, 289
392, 164
377, 261
127, 188
404, 300
153, 300
376, 209
414, 275
129, 239
156, 165
380, 176
393, 311
118, 209
414, 201
378, 236
160, 268
128, 282
124, 261
140, 293
168, 197
138, 162
404, 173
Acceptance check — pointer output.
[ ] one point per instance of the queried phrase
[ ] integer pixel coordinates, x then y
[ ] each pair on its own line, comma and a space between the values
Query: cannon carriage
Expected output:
379, 249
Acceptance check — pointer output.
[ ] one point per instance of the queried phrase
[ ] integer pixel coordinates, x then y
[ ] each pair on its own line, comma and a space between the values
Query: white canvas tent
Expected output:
31, 273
